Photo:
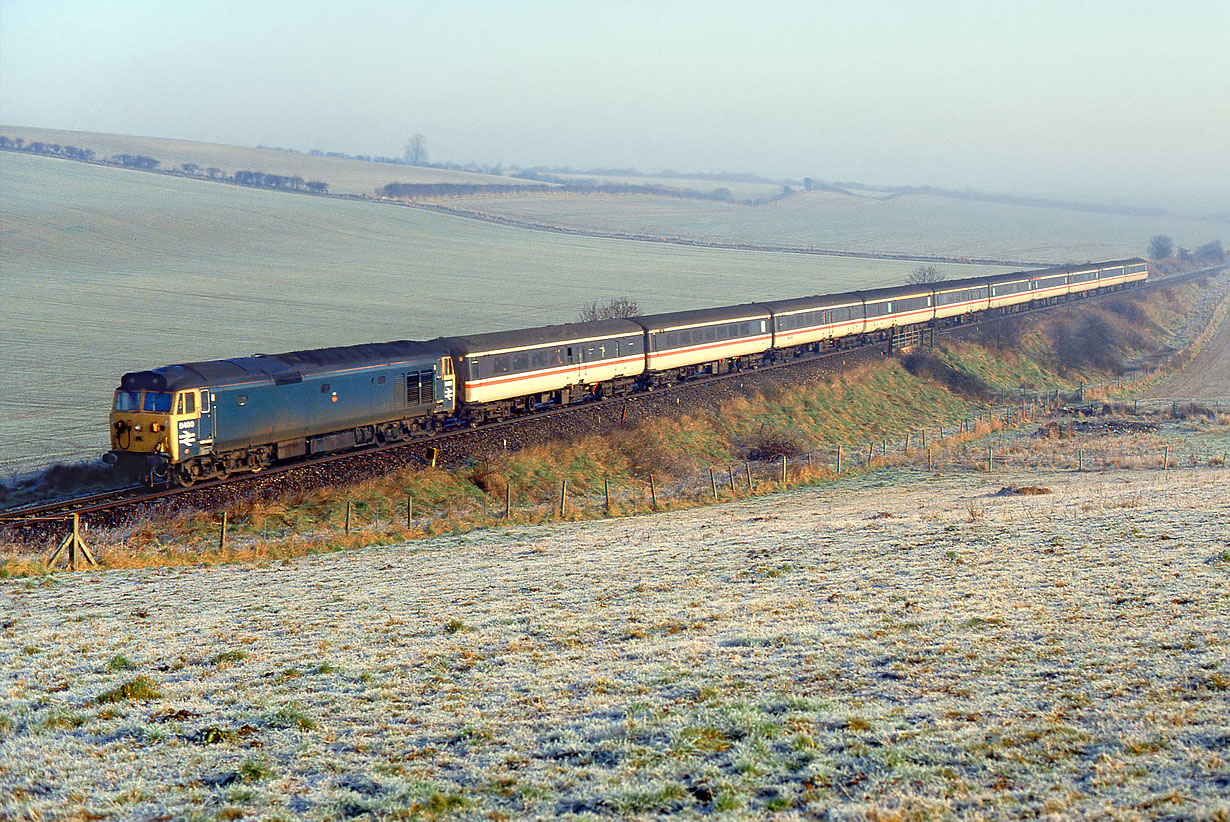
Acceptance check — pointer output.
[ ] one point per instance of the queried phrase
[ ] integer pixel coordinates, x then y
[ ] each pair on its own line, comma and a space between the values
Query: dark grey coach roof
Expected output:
471, 344
812, 303
678, 319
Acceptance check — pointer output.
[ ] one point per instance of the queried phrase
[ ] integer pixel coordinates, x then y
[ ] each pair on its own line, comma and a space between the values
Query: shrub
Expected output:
141, 688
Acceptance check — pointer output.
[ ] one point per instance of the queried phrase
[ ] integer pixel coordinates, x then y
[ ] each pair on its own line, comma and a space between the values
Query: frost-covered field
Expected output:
892, 646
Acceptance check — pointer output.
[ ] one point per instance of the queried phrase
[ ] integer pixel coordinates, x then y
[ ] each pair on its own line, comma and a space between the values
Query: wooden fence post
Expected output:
839, 459
713, 483
409, 509
606, 492
747, 467
563, 496
507, 500
653, 493
347, 518
928, 459
783, 469
730, 473
1166, 459
1080, 464
222, 534
990, 459
74, 543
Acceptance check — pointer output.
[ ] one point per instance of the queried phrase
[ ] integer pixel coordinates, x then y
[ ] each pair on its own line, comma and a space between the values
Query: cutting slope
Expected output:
1206, 378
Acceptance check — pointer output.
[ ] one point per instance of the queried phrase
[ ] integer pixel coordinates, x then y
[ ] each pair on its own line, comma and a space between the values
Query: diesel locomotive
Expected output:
184, 423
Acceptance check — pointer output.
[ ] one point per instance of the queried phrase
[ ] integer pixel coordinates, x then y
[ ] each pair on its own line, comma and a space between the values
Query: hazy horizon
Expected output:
1124, 103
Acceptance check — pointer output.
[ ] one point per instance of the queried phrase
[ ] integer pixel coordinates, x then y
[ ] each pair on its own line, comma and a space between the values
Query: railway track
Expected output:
111, 508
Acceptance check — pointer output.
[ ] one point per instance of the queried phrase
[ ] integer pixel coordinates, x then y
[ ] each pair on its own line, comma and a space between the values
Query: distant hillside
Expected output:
343, 176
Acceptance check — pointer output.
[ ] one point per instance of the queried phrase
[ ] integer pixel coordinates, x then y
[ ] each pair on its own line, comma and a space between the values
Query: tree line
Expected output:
1161, 247
141, 162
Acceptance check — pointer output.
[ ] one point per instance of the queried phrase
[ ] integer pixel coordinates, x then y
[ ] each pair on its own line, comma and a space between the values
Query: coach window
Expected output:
521, 361
500, 365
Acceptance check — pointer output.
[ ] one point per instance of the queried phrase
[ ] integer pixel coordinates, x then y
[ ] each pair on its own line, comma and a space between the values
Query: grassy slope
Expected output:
919, 224
109, 270
343, 176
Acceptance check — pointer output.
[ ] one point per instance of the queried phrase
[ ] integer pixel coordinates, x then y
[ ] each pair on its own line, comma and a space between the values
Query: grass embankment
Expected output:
868, 404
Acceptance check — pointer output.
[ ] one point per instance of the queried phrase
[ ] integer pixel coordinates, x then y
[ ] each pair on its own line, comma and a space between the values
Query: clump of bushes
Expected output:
140, 689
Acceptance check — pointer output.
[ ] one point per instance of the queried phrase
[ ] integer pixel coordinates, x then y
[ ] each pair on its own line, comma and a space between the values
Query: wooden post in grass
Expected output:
1080, 460
990, 459
507, 500
747, 467
839, 459
409, 509
905, 449
808, 460
870, 451
730, 473
74, 543
653, 493
347, 517
783, 469
563, 496
713, 483
1166, 459
606, 492
222, 534
928, 459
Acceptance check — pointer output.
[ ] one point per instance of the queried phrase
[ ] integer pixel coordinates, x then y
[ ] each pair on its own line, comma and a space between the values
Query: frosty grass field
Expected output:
891, 646
107, 271
871, 222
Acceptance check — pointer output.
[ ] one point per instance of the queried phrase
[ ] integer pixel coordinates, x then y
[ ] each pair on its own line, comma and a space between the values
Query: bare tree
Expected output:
613, 309
924, 274
1160, 247
416, 150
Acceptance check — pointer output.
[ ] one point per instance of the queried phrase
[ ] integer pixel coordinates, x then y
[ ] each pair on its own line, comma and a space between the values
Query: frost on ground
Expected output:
895, 645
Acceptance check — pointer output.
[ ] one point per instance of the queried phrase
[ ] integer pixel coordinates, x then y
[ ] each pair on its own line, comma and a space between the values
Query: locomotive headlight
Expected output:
155, 427
136, 427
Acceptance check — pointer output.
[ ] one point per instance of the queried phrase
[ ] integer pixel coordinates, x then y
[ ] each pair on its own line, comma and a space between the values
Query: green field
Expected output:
107, 270
343, 176
924, 224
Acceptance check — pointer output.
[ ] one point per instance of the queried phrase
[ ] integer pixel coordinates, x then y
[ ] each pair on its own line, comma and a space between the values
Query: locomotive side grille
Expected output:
420, 387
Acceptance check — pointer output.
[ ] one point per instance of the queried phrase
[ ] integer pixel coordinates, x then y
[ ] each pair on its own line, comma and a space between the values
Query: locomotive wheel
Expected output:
183, 476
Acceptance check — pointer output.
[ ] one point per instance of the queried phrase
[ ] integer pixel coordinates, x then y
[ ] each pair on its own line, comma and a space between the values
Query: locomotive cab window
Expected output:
204, 402
158, 402
186, 403
127, 401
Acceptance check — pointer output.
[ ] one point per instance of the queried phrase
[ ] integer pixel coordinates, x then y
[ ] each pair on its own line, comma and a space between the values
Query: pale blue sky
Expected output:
1108, 99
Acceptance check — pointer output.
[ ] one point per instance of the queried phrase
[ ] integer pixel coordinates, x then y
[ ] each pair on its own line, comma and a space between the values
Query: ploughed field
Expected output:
913, 645
107, 271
